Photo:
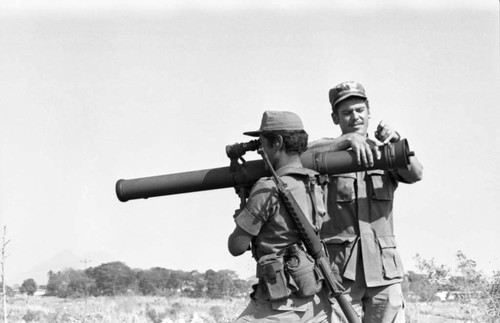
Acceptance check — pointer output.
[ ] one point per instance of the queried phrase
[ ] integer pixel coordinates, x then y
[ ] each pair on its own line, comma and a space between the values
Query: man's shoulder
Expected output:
296, 170
298, 173
264, 182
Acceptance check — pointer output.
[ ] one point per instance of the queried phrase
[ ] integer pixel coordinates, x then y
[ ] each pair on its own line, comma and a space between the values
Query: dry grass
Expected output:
139, 309
449, 312
435, 312
135, 309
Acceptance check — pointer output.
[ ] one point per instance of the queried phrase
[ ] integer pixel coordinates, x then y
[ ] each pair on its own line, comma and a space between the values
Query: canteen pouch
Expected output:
300, 266
271, 273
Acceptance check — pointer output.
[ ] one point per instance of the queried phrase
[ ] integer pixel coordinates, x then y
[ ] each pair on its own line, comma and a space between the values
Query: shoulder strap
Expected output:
310, 181
311, 190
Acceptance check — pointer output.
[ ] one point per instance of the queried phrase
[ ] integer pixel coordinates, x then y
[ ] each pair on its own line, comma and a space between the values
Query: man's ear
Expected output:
335, 118
279, 142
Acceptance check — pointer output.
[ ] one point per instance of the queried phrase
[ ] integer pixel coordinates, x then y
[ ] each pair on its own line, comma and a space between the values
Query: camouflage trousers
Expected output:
314, 309
384, 304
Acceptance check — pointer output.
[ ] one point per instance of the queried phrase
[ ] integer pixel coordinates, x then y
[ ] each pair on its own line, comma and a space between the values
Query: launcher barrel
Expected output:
393, 156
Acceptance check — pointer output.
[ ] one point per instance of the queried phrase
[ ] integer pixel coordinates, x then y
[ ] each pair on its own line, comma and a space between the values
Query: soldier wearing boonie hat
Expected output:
277, 121
359, 229
265, 225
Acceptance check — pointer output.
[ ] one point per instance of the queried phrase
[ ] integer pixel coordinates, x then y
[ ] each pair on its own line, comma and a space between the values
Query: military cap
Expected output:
277, 121
345, 90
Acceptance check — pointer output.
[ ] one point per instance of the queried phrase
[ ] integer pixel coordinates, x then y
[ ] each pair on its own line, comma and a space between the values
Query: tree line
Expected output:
116, 278
467, 284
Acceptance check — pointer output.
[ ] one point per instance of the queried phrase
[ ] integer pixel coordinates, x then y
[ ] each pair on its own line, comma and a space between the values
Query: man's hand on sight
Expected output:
385, 133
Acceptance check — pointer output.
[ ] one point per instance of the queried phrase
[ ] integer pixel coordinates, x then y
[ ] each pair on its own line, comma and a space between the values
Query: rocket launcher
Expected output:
245, 173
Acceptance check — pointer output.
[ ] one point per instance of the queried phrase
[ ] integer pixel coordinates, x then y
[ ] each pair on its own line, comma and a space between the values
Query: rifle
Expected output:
312, 242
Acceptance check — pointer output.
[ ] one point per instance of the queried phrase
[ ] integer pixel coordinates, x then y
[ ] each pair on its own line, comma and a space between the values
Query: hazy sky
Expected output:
92, 92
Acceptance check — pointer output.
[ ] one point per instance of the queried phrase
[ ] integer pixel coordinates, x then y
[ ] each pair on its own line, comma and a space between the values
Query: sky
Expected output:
96, 91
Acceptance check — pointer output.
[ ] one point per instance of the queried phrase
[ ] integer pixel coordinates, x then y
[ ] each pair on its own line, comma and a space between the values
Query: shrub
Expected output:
217, 313
29, 287
31, 316
154, 316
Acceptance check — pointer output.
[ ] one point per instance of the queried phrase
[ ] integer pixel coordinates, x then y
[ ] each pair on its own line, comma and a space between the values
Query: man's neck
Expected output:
288, 160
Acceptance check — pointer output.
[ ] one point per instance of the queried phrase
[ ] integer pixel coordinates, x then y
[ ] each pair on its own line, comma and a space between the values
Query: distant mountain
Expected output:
62, 260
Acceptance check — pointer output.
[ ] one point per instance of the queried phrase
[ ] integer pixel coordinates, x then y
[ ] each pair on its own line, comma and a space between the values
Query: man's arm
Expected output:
413, 174
249, 219
239, 241
330, 144
365, 149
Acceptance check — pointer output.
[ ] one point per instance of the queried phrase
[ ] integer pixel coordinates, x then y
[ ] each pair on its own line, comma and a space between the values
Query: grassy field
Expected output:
162, 310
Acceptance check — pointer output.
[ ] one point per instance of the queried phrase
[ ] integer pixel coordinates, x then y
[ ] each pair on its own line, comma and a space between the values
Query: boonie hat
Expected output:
277, 121
345, 90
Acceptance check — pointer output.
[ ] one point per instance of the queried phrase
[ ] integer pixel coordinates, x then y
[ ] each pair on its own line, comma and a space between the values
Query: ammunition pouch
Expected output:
272, 277
301, 268
293, 271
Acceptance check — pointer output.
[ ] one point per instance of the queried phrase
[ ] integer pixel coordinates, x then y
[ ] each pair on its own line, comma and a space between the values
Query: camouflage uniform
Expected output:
359, 229
266, 218
359, 233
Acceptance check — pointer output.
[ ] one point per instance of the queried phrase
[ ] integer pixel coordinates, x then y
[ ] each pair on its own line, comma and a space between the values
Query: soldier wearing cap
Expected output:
358, 228
265, 225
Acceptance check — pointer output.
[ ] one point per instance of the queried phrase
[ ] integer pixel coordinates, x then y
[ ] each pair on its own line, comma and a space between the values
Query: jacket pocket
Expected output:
382, 185
391, 262
344, 187
340, 249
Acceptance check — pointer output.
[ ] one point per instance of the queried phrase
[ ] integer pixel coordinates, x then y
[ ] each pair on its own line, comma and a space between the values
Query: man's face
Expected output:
269, 148
352, 116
